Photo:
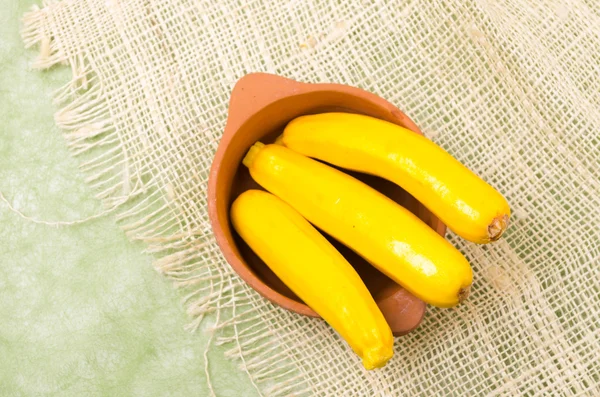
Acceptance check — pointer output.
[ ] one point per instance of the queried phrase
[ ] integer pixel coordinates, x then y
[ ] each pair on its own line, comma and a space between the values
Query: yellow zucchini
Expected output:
315, 271
387, 235
464, 202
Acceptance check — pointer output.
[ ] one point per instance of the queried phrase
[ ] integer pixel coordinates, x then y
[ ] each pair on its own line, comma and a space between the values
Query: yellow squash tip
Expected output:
279, 140
497, 227
377, 357
463, 293
251, 155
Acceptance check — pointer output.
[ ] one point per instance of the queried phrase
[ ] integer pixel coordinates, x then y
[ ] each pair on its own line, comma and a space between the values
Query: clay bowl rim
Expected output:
239, 266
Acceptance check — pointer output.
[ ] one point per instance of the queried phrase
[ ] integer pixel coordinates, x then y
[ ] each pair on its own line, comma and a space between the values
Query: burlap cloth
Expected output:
510, 88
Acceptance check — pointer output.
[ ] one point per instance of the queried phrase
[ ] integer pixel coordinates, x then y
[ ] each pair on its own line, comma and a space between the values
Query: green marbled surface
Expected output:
82, 312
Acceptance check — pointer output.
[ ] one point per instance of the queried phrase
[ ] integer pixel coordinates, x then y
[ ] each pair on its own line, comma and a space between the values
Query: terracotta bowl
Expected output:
260, 107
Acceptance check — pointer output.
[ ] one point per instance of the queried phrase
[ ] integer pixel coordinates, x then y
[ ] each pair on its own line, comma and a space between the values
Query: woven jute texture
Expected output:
510, 88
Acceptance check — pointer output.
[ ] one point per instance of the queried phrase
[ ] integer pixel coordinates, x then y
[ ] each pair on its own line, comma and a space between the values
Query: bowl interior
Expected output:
266, 126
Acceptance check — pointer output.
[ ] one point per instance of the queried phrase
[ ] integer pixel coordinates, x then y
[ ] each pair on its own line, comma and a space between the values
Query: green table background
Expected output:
82, 311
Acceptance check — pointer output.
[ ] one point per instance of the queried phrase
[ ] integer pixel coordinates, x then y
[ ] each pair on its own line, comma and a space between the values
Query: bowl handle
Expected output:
255, 91
402, 311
